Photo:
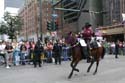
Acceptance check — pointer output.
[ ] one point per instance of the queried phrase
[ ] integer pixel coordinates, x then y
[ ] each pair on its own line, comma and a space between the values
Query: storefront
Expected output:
113, 33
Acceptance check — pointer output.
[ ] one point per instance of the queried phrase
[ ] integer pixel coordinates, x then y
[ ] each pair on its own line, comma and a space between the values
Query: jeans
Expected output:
8, 58
16, 57
65, 54
49, 54
22, 57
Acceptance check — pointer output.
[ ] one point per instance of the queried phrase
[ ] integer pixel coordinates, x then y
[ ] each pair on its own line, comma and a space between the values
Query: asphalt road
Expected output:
110, 70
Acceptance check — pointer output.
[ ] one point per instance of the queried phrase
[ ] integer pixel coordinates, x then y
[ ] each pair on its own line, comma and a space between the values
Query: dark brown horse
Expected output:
77, 55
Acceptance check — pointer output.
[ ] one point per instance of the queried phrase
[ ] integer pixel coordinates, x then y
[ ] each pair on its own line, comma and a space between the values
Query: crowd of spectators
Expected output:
30, 52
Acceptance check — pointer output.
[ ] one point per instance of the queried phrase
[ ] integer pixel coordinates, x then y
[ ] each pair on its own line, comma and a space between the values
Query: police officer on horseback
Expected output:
87, 34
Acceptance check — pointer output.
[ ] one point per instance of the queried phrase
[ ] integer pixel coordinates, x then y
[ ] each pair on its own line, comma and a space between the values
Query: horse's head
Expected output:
70, 39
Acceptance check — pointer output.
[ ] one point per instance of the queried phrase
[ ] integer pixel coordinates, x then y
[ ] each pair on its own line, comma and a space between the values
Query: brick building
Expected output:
30, 15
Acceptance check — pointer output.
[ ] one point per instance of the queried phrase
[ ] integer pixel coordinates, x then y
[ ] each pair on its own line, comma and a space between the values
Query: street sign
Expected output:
54, 15
54, 33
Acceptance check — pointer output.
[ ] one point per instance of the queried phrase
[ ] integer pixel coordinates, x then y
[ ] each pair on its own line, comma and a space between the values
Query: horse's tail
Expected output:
103, 52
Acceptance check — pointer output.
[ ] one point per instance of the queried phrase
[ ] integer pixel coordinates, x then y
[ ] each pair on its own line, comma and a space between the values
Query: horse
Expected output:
77, 56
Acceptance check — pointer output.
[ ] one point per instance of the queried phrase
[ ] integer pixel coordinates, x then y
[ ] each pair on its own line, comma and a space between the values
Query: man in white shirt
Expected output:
2, 50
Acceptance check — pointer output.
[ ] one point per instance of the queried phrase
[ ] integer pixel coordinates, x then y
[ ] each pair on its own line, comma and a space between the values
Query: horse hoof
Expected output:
87, 71
69, 77
94, 73
77, 70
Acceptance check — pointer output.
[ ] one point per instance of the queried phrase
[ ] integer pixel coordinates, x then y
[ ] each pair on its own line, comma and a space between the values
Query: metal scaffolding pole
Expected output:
40, 19
53, 24
75, 10
57, 3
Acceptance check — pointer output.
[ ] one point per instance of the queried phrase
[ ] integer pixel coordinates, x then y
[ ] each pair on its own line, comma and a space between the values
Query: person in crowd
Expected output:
57, 49
65, 51
106, 46
23, 52
112, 48
37, 53
30, 50
120, 47
123, 48
9, 54
16, 54
116, 49
49, 51
2, 50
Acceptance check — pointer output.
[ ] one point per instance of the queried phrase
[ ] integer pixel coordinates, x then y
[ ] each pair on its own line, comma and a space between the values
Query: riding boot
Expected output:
88, 57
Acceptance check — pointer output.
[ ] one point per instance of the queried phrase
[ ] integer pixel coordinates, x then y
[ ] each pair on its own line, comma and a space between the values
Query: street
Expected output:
110, 70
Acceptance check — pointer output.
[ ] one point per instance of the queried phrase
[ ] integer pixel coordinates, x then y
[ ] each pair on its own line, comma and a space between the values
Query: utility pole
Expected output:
40, 19
53, 23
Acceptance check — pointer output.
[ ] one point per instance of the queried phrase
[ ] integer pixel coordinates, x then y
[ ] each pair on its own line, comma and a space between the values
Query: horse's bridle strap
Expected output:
74, 45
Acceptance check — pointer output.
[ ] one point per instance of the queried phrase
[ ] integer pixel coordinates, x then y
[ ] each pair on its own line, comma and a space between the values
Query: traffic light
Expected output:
52, 26
49, 26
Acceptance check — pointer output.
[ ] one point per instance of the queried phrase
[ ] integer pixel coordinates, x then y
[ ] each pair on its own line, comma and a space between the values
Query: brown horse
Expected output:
77, 55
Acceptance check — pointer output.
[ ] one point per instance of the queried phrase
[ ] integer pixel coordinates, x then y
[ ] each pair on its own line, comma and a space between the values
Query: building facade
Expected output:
75, 20
30, 15
114, 9
113, 28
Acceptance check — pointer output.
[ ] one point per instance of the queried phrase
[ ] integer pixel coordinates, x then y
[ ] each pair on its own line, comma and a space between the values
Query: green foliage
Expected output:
3, 28
11, 25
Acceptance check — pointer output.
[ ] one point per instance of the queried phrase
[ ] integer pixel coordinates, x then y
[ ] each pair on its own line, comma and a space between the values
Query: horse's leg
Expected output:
70, 75
92, 62
97, 63
75, 69
73, 65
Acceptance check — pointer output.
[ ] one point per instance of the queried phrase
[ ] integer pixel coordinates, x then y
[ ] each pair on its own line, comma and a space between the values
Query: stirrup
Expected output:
90, 48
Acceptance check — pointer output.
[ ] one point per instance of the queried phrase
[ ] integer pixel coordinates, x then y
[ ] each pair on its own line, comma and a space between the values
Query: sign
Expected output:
54, 33
123, 16
54, 15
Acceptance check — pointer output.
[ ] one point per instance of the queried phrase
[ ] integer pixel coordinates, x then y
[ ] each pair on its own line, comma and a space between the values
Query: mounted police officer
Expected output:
87, 34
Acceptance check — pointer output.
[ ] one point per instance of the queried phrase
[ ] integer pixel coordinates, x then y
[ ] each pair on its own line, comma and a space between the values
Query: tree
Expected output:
11, 25
2, 28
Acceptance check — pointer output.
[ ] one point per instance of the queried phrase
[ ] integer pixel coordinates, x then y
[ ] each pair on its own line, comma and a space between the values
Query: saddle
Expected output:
94, 44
